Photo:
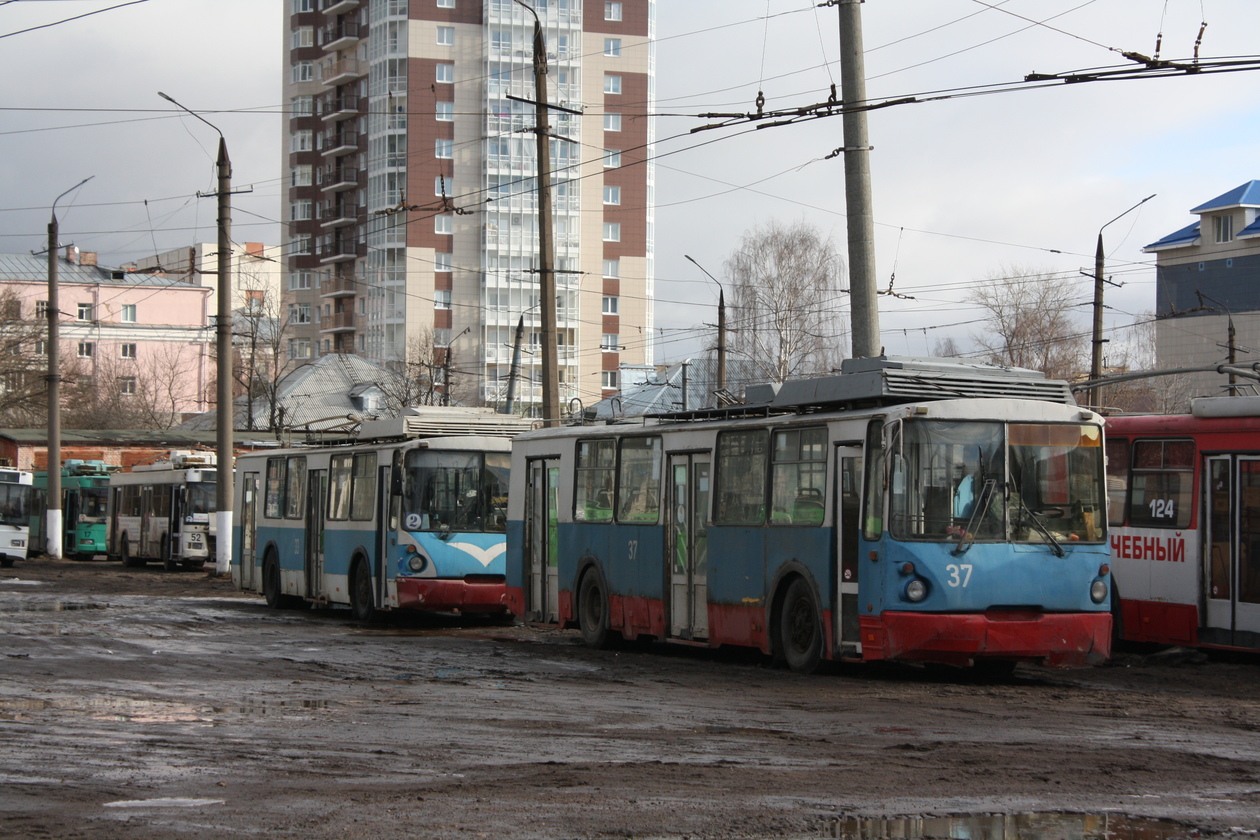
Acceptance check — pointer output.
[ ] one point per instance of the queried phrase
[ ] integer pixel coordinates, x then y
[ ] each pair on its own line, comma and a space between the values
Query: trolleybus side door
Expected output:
249, 531
847, 526
316, 502
542, 508
388, 506
1233, 549
688, 546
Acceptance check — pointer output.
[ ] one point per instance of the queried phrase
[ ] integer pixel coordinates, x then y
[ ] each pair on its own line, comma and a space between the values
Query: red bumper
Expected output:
452, 595
1058, 640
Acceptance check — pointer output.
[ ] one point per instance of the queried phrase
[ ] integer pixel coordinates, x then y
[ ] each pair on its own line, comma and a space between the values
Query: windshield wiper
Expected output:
1045, 532
968, 536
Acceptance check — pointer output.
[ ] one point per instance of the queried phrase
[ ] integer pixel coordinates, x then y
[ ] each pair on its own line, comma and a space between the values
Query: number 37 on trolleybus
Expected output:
1185, 524
411, 516
907, 509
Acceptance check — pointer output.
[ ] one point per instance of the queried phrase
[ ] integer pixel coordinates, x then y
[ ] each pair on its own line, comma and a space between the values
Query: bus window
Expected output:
638, 480
593, 496
798, 477
274, 506
741, 478
363, 487
294, 487
1117, 479
1163, 475
339, 486
498, 468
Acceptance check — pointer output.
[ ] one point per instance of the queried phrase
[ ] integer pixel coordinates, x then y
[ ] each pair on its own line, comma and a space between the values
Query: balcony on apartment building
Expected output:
334, 108
337, 178
340, 248
340, 35
335, 214
340, 140
339, 286
341, 70
337, 7
337, 322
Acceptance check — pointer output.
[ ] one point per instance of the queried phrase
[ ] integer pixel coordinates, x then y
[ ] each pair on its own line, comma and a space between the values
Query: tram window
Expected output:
294, 488
639, 480
1163, 476
741, 478
592, 498
798, 477
1117, 479
339, 486
363, 487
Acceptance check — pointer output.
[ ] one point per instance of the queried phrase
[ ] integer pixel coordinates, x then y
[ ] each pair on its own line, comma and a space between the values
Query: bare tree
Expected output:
23, 387
415, 378
1132, 349
785, 294
1032, 321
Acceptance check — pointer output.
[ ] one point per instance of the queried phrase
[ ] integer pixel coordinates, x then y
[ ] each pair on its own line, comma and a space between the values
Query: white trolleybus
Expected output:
907, 509
410, 515
16, 507
164, 511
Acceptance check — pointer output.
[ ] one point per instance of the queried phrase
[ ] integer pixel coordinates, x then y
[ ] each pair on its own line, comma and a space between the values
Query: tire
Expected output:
993, 670
800, 630
6, 562
127, 559
169, 563
362, 594
271, 582
593, 610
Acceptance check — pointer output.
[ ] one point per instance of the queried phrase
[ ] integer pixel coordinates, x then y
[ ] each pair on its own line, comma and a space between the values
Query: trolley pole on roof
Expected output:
857, 184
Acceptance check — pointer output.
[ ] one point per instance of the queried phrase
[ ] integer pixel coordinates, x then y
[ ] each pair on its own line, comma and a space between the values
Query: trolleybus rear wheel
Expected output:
271, 582
169, 563
800, 633
127, 559
593, 610
362, 597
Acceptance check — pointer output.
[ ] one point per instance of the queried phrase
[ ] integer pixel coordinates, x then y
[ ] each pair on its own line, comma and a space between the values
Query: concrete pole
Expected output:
223, 333
52, 519
721, 343
1095, 357
857, 185
510, 404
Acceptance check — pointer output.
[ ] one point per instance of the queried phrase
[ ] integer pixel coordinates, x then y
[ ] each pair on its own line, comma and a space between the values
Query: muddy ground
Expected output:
146, 704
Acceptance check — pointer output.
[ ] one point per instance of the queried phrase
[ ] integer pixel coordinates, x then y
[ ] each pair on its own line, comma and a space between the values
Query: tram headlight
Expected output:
1098, 591
916, 590
417, 563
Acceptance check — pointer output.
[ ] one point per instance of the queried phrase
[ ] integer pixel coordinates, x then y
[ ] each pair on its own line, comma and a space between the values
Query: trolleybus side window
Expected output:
498, 468
160, 502
130, 504
339, 467
294, 487
639, 480
1163, 475
592, 498
873, 520
352, 486
741, 477
274, 505
1117, 479
798, 477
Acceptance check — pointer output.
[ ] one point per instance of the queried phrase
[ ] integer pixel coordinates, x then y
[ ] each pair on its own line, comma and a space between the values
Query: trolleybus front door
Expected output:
688, 546
847, 522
542, 507
1233, 543
316, 488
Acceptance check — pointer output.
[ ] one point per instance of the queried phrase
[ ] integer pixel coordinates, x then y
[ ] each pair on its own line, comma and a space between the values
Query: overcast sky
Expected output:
964, 188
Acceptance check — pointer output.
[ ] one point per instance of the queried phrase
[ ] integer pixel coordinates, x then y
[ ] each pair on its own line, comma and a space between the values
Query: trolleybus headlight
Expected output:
916, 590
1098, 591
416, 563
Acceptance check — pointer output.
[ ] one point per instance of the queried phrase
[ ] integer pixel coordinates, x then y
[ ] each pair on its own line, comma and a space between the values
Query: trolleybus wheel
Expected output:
271, 582
362, 597
169, 563
800, 633
593, 610
6, 562
127, 559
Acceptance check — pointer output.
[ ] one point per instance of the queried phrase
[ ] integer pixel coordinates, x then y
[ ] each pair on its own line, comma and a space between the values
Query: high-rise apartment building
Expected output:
412, 188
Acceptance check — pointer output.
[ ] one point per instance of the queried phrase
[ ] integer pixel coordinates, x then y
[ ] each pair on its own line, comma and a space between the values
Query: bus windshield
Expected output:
15, 501
986, 481
92, 503
456, 491
202, 497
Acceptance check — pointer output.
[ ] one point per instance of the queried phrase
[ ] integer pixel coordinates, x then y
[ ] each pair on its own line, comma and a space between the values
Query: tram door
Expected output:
542, 507
316, 502
688, 548
249, 531
848, 530
1233, 544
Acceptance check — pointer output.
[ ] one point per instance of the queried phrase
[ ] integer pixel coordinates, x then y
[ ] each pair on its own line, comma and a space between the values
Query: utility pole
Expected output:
1095, 363
223, 349
721, 336
546, 248
857, 184
510, 403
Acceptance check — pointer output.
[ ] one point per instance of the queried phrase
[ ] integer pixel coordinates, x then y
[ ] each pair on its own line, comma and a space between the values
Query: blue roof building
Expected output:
1207, 275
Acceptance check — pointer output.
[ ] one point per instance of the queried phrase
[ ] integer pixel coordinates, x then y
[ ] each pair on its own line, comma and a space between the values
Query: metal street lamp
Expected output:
223, 334
1095, 364
721, 342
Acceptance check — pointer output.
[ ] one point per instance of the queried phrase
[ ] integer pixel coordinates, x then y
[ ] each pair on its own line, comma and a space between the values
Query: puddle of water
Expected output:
59, 606
1036, 826
169, 802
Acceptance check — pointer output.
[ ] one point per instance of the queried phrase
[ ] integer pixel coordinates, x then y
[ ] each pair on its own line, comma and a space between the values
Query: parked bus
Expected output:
1185, 524
164, 511
411, 516
84, 502
907, 509
16, 498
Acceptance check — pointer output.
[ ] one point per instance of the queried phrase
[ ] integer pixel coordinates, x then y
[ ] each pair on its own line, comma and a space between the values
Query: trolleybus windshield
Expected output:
15, 501
92, 503
985, 481
456, 491
202, 497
